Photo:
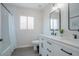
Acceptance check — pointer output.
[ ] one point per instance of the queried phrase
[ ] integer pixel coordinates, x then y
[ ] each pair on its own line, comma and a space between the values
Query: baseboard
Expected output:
24, 46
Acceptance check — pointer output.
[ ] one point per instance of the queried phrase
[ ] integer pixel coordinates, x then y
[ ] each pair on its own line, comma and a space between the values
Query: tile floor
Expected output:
25, 52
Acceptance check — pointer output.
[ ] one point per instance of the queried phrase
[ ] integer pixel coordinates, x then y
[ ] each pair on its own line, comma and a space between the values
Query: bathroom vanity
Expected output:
57, 46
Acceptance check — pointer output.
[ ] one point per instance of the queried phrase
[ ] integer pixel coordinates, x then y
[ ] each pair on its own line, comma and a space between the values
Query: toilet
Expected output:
35, 44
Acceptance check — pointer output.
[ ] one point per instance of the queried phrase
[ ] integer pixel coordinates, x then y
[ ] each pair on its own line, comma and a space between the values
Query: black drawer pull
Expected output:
1, 39
49, 43
66, 52
48, 50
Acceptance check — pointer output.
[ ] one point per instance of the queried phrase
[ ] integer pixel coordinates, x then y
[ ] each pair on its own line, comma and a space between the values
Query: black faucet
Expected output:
53, 33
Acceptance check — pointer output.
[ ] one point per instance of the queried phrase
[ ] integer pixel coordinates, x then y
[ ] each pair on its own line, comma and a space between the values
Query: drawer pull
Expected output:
49, 43
66, 52
48, 50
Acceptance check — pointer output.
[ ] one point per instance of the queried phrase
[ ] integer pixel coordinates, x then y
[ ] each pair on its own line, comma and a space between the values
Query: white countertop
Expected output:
72, 42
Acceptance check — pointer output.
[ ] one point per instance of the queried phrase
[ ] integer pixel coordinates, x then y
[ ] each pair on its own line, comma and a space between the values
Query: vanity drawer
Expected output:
70, 51
50, 52
49, 46
58, 50
65, 50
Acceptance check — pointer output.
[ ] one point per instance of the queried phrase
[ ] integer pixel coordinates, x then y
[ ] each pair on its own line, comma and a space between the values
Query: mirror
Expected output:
55, 20
73, 16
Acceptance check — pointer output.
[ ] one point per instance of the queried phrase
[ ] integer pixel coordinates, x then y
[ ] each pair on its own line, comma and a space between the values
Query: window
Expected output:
30, 23
54, 24
26, 23
23, 22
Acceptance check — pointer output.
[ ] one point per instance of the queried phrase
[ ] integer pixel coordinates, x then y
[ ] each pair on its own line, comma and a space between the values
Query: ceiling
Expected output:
39, 6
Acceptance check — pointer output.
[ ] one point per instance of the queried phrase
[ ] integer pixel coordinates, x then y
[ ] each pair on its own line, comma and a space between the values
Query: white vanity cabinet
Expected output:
51, 47
42, 44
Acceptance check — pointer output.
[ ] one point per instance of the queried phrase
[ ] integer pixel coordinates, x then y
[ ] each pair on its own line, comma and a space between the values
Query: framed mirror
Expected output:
55, 20
73, 16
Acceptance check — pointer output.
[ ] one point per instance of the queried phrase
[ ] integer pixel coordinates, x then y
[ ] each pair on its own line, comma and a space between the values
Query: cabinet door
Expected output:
49, 47
42, 46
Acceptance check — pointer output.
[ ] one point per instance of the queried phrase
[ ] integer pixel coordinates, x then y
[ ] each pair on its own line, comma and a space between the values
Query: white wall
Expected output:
25, 37
68, 35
